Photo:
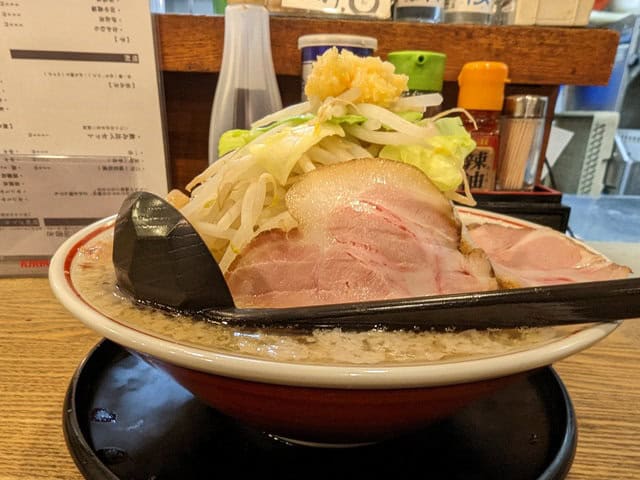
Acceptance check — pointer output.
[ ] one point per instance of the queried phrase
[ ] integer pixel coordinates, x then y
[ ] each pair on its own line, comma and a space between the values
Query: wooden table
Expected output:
41, 346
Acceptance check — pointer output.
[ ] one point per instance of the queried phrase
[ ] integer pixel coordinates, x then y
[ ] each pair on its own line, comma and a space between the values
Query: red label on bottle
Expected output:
481, 165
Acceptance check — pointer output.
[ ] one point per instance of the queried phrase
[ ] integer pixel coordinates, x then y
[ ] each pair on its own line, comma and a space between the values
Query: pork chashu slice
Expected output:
527, 257
369, 229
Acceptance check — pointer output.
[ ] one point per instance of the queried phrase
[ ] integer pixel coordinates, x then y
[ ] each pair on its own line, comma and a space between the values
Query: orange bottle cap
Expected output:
482, 85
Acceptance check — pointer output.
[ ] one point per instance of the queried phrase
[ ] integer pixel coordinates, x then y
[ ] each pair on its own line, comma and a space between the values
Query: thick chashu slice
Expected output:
369, 229
525, 257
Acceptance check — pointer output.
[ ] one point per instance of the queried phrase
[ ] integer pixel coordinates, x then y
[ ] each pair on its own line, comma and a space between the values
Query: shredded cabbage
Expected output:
349, 119
442, 156
236, 138
242, 194
290, 145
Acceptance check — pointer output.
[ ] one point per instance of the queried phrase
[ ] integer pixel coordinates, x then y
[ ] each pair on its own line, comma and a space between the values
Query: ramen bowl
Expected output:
274, 383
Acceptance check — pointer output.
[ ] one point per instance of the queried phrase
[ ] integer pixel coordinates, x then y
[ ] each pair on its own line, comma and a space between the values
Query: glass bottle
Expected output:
219, 6
428, 11
481, 93
247, 88
469, 11
522, 132
505, 13
157, 6
425, 71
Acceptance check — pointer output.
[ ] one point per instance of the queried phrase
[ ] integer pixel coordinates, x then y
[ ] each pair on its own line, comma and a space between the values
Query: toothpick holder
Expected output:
521, 137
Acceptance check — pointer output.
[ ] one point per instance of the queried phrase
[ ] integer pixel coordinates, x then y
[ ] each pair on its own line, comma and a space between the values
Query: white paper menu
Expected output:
81, 120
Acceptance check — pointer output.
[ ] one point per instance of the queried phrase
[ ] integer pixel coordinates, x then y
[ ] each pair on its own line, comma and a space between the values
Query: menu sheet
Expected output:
81, 120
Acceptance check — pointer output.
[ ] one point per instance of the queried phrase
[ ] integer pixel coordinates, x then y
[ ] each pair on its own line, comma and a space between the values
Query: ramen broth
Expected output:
93, 277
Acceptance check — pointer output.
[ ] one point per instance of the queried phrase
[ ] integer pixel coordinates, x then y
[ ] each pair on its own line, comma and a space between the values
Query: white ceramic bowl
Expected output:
345, 403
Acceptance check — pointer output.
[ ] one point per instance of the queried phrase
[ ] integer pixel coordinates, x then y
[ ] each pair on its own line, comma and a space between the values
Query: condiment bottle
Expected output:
247, 88
427, 11
506, 11
481, 93
465, 11
522, 131
425, 71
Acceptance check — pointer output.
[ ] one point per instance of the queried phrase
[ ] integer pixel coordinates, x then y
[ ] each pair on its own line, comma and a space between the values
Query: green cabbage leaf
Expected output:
238, 138
442, 158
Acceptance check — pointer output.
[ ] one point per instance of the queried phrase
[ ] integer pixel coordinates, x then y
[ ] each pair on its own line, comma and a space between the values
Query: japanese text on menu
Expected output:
80, 117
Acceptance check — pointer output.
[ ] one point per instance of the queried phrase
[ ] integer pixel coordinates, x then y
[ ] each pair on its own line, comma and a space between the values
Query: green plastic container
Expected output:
425, 69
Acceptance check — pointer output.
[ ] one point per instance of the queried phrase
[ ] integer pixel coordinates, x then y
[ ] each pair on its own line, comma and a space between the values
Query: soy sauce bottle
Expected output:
481, 93
247, 88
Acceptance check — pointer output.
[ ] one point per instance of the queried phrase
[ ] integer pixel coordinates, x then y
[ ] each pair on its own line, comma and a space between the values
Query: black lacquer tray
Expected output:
123, 419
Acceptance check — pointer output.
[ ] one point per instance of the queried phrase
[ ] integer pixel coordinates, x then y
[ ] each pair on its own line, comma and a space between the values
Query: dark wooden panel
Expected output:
188, 108
535, 55
188, 101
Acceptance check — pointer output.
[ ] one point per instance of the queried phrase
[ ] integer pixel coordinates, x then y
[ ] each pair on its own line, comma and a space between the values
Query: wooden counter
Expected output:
42, 346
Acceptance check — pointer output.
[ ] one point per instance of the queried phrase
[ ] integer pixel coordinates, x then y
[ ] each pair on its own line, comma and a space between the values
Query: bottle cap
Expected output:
338, 40
482, 85
424, 69
525, 106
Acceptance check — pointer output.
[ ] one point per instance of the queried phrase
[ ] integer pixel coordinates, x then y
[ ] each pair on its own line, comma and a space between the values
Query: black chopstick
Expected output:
566, 304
